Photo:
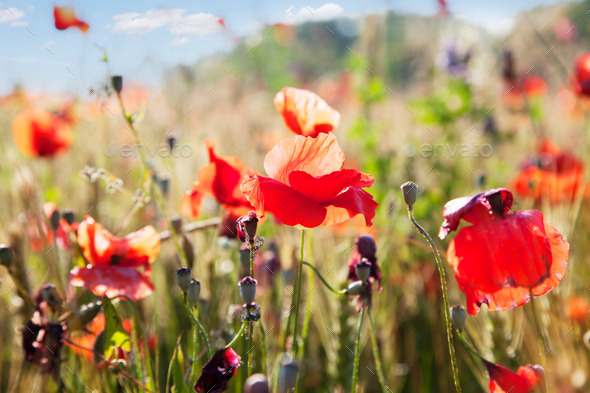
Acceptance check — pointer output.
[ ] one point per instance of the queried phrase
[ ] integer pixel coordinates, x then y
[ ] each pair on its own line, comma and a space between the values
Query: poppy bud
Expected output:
171, 141
69, 216
183, 278
248, 289
458, 317
363, 270
50, 296
164, 184
256, 383
287, 373
247, 226
355, 288
54, 220
410, 193
5, 255
194, 292
117, 82
176, 224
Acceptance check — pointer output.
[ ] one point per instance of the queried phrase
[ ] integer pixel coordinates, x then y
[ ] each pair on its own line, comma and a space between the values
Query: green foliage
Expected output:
115, 336
445, 106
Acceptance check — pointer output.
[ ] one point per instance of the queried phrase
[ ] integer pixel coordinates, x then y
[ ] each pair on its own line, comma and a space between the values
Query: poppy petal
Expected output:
316, 156
65, 17
112, 281
503, 380
38, 133
324, 189
349, 204
192, 201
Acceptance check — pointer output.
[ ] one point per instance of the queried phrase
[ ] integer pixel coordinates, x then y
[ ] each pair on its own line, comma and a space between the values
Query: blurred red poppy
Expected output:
38, 133
504, 255
218, 371
534, 85
221, 180
307, 185
65, 17
524, 380
113, 262
578, 309
582, 81
553, 174
41, 235
305, 113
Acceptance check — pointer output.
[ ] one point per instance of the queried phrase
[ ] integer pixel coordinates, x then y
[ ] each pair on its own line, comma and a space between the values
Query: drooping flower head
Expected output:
218, 371
38, 133
305, 113
65, 17
553, 174
504, 255
524, 380
365, 249
114, 263
307, 186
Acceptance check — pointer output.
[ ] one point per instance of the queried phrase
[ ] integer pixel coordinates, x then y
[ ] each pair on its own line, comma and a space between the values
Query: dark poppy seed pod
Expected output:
164, 184
171, 141
363, 270
50, 295
117, 82
458, 317
247, 226
410, 193
54, 220
194, 292
248, 289
256, 383
176, 224
5, 255
355, 288
288, 370
69, 216
183, 278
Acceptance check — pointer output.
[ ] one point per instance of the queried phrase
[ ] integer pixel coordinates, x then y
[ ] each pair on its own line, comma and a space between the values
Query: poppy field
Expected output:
338, 200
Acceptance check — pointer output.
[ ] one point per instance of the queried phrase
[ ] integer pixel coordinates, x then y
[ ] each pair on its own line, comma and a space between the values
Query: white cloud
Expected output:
173, 20
500, 27
14, 16
179, 41
307, 13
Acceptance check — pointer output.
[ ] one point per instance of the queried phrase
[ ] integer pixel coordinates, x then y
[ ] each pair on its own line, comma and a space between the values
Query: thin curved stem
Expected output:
238, 335
443, 284
198, 326
376, 355
357, 349
469, 347
171, 364
540, 337
298, 297
263, 339
323, 280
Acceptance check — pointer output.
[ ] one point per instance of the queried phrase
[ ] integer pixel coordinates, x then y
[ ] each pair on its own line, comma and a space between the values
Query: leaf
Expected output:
115, 335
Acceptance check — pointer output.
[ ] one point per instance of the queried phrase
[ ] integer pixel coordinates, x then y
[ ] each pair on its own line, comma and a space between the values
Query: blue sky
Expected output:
145, 38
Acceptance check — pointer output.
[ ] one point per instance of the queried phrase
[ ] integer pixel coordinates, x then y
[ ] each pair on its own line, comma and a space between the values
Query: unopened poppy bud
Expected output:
248, 289
458, 317
176, 224
49, 294
256, 383
363, 270
355, 288
586, 339
117, 82
183, 278
54, 220
194, 292
69, 216
410, 193
164, 184
288, 370
5, 255
171, 140
247, 226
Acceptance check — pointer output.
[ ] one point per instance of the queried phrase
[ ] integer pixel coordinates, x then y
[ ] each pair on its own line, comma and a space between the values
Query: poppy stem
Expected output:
443, 284
323, 280
469, 346
298, 297
357, 350
198, 326
263, 339
376, 355
540, 336
237, 336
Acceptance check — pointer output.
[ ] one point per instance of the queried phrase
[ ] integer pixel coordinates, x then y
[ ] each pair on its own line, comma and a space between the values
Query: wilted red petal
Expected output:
192, 201
65, 17
305, 113
504, 380
38, 133
498, 261
110, 281
472, 209
316, 156
100, 247
218, 371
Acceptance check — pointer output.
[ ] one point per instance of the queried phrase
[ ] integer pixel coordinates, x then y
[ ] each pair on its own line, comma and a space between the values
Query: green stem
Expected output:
298, 297
443, 284
357, 349
250, 350
323, 280
540, 337
171, 364
198, 326
376, 355
252, 258
238, 335
263, 339
469, 346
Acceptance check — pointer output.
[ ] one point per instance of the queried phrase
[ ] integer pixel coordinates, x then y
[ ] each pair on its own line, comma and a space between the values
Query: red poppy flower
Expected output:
114, 263
582, 81
504, 255
578, 309
534, 85
524, 380
553, 174
65, 17
218, 371
221, 180
38, 133
305, 113
41, 235
307, 185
